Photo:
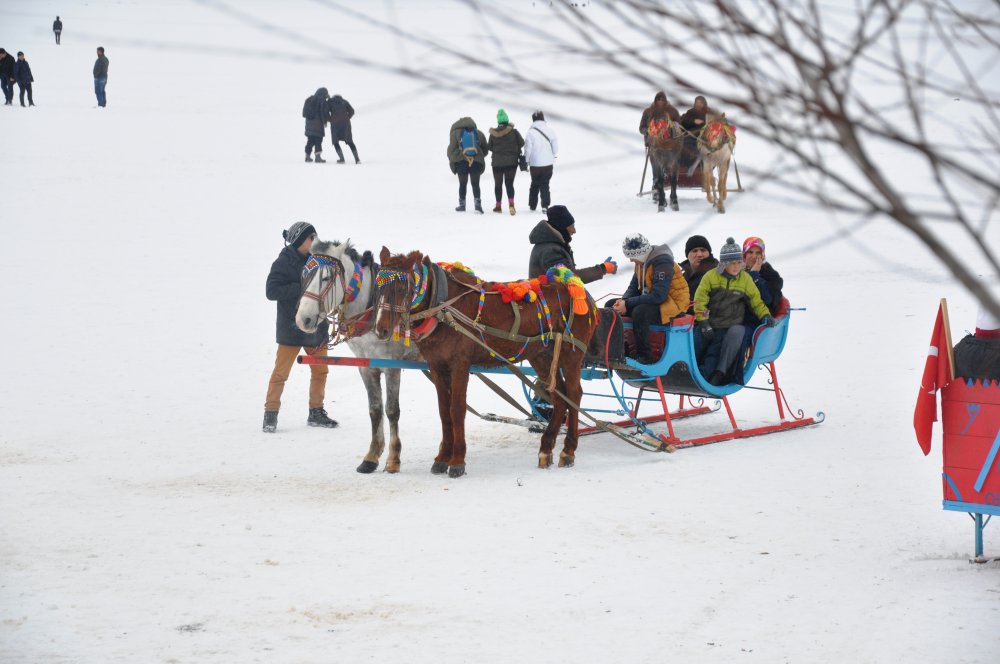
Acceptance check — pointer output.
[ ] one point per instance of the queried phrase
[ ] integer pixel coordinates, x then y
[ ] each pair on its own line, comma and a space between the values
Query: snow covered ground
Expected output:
145, 518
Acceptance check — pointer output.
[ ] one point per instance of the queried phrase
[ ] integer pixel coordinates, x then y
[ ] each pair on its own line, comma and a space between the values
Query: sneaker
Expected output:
270, 421
319, 418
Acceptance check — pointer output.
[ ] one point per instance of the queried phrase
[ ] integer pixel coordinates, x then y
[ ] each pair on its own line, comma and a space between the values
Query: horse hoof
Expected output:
439, 468
392, 467
674, 206
660, 208
367, 467
566, 461
456, 471
722, 210
544, 461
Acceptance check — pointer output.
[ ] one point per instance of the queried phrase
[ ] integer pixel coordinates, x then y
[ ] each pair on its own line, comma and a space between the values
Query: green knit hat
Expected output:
502, 117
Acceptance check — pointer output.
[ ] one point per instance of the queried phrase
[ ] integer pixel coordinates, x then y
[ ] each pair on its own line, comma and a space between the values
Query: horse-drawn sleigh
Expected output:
451, 324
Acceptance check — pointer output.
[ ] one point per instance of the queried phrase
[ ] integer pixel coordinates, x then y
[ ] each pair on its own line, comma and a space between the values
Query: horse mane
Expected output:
405, 260
326, 248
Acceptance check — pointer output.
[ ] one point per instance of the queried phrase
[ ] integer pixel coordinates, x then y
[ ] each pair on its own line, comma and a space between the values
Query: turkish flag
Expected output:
937, 374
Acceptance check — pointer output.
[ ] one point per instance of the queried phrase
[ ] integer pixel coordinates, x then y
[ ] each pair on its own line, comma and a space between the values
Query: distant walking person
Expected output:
540, 151
22, 74
57, 28
101, 77
467, 151
314, 110
7, 77
341, 113
505, 144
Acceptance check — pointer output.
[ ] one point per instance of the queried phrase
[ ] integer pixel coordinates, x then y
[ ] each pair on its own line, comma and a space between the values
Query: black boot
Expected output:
717, 378
479, 205
461, 205
319, 159
319, 418
270, 421
308, 158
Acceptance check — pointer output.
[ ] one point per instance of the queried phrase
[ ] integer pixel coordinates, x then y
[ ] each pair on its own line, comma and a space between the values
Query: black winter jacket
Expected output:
549, 248
769, 283
505, 143
7, 66
101, 67
316, 126
340, 110
284, 285
56, 26
22, 72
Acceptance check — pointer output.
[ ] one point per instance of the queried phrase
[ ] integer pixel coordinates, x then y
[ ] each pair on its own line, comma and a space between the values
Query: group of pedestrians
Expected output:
19, 72
319, 110
535, 151
15, 71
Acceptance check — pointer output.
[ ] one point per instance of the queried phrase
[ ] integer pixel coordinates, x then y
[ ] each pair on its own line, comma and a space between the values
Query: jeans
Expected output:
540, 176
25, 87
99, 85
8, 89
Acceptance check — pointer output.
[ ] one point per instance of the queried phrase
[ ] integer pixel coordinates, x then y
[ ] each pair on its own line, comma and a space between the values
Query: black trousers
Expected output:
643, 316
340, 153
504, 175
540, 176
25, 87
8, 89
314, 142
58, 33
467, 173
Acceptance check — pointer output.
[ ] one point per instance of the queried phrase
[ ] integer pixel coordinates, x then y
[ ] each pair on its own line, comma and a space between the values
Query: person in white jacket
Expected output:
541, 147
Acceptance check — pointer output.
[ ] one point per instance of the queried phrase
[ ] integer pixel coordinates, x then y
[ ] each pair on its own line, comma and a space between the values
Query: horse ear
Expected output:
427, 261
383, 256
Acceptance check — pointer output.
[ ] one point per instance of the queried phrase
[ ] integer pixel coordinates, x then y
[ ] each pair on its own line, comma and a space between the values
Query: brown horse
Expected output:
665, 147
716, 143
467, 315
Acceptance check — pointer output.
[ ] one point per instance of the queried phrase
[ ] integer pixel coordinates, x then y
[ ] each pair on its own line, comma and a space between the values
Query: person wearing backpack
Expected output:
467, 150
315, 111
341, 112
541, 147
505, 144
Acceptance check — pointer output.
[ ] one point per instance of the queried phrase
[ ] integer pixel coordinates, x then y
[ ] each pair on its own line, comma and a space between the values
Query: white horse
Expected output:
716, 144
336, 279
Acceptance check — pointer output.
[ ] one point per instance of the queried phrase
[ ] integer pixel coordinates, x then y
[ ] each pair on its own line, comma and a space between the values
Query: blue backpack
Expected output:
469, 144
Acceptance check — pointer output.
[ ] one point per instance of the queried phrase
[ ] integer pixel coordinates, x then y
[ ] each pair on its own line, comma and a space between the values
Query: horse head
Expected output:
325, 282
717, 130
401, 286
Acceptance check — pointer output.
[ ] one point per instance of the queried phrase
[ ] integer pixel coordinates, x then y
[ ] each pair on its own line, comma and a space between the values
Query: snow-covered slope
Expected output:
145, 517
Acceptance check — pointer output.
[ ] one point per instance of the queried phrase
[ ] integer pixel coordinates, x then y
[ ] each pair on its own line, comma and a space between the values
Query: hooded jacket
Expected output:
657, 285
725, 300
505, 143
22, 72
455, 155
549, 248
284, 286
315, 126
539, 150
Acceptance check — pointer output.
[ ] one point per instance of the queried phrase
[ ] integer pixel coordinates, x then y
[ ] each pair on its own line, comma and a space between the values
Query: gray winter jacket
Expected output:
101, 67
505, 144
455, 143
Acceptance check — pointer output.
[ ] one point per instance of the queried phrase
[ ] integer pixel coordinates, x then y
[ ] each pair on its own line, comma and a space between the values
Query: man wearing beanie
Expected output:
550, 239
505, 144
284, 285
977, 356
699, 261
656, 293
725, 299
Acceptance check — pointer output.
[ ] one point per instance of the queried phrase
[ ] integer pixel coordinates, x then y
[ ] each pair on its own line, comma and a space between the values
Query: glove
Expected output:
610, 266
769, 321
706, 330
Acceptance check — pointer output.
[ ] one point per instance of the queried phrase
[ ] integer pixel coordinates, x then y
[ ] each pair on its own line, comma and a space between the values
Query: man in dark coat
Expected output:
317, 114
7, 77
550, 240
57, 28
101, 77
284, 286
659, 109
341, 112
467, 167
693, 122
699, 261
22, 74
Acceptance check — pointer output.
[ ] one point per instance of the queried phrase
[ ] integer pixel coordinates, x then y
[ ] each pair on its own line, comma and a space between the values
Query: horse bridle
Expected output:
317, 265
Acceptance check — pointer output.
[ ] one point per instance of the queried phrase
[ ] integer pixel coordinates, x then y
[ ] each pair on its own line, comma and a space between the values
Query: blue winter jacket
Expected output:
22, 72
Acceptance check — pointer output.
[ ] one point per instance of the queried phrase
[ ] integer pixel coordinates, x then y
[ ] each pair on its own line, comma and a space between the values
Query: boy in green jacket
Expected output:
721, 305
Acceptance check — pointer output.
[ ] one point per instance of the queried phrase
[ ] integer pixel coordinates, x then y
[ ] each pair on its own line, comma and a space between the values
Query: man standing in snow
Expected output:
540, 151
7, 77
57, 28
101, 77
284, 285
22, 74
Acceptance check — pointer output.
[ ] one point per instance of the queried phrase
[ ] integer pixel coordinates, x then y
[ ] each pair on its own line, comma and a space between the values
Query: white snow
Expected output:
144, 517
